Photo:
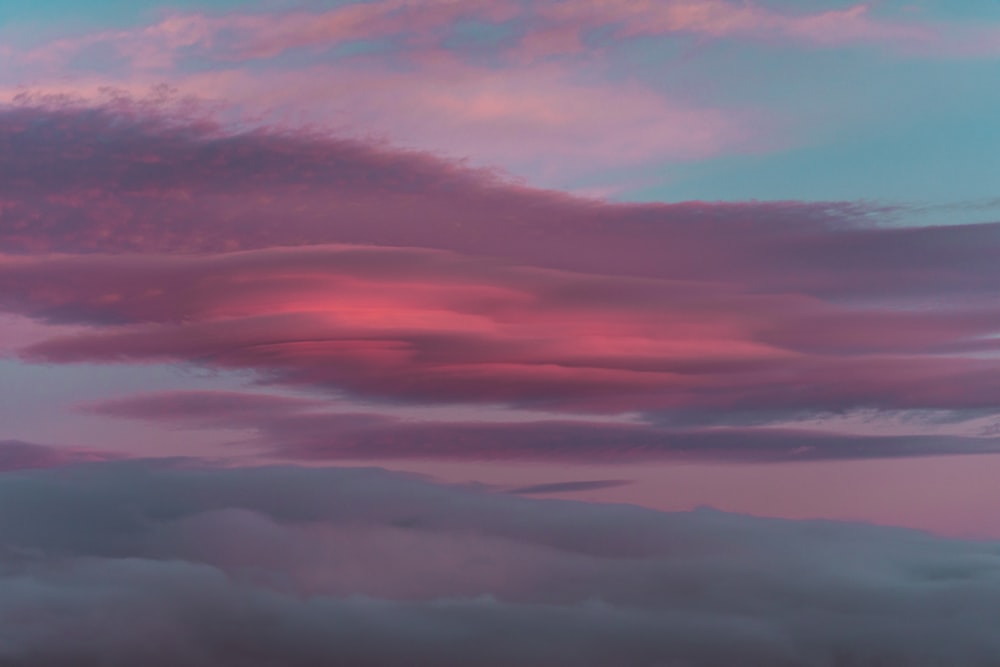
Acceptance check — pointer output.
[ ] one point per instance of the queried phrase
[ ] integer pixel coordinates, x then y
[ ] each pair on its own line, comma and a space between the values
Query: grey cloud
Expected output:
166, 563
569, 487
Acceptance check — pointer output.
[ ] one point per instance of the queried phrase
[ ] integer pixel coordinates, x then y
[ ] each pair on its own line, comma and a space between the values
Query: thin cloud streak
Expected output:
301, 430
569, 487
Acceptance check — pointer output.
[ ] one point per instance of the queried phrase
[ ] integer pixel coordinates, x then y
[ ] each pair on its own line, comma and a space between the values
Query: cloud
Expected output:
167, 563
149, 176
569, 487
303, 431
381, 321
17, 332
526, 29
19, 455
526, 91
408, 84
428, 326
720, 18
155, 235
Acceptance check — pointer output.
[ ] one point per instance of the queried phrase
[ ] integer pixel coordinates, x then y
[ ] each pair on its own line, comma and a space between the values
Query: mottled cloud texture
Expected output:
172, 563
356, 271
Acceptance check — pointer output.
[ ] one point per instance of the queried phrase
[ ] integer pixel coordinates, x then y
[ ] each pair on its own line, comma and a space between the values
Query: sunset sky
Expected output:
390, 282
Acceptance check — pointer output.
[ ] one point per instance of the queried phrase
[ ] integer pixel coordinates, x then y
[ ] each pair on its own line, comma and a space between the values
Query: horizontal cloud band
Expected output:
174, 563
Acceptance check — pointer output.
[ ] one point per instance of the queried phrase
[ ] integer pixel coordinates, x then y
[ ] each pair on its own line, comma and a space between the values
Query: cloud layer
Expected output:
143, 233
159, 563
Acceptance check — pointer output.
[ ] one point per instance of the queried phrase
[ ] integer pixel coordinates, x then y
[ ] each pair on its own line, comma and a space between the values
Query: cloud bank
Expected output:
166, 563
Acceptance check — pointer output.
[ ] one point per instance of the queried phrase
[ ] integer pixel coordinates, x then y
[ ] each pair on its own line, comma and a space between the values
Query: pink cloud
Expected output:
428, 326
350, 266
535, 101
82, 178
431, 326
542, 28
17, 332
548, 121
408, 322
854, 24
242, 36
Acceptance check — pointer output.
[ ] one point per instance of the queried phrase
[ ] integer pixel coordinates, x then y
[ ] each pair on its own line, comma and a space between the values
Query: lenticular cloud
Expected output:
133, 232
153, 563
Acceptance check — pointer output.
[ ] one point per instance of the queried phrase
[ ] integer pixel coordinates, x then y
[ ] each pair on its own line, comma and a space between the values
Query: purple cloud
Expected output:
129, 177
355, 268
20, 455
293, 430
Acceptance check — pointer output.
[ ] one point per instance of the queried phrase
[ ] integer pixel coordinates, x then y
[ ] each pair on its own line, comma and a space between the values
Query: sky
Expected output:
583, 332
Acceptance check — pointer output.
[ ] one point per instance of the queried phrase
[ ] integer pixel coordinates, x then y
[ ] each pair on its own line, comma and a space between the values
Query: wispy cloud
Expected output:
530, 91
532, 29
20, 455
569, 487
